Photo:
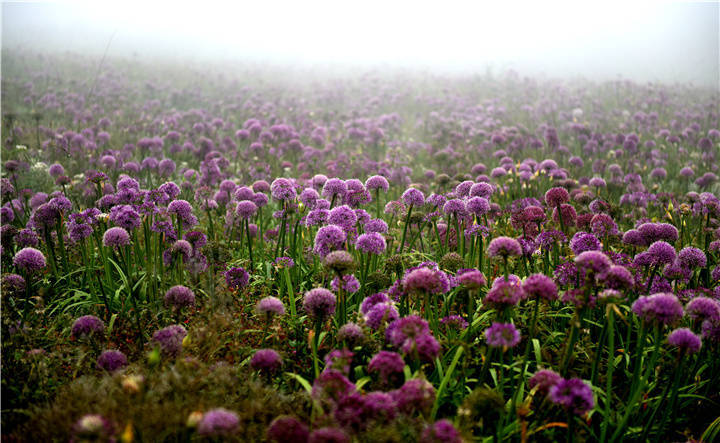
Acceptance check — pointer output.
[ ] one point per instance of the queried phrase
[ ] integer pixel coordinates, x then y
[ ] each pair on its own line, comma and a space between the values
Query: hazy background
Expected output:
640, 40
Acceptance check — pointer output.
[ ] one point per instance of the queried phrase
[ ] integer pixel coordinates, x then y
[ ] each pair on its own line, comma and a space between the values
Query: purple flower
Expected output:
617, 277
266, 360
341, 262
544, 379
371, 243
388, 365
116, 237
179, 297
406, 328
328, 239
502, 335
574, 395
540, 286
701, 308
478, 206
377, 225
416, 395
584, 241
427, 280
270, 306
334, 188
287, 429
170, 340
685, 340
593, 262
125, 216
504, 247
555, 197
26, 237
504, 294
423, 347
442, 431
343, 216
29, 260
692, 257
413, 197
377, 182
332, 386
237, 278
381, 313
218, 422
112, 361
350, 333
283, 189
471, 279
348, 283
454, 322
662, 308
245, 209
455, 207
661, 253
328, 435
319, 303
87, 325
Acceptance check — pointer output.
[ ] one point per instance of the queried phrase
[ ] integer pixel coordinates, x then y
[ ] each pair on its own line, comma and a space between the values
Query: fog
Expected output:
638, 40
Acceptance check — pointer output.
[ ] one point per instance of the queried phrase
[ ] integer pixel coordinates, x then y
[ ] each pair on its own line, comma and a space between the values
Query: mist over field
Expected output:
354, 222
637, 40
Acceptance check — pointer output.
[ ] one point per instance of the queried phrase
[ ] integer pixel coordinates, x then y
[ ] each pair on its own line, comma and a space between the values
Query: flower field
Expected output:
207, 253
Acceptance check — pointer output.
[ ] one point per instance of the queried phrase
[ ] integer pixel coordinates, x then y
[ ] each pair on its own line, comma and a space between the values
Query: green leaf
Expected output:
305, 384
445, 380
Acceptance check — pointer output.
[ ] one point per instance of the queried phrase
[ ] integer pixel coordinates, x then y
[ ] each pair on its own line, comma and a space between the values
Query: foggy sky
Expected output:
638, 40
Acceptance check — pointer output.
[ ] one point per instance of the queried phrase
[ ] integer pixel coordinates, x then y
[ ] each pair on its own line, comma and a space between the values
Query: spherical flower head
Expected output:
266, 361
328, 435
179, 297
218, 422
662, 253
413, 197
555, 197
329, 238
502, 335
471, 279
29, 260
574, 395
342, 262
309, 197
371, 243
125, 216
617, 277
246, 209
455, 207
388, 365
423, 347
170, 340
711, 330
376, 225
332, 386
478, 206
416, 395
287, 429
334, 188
88, 325
692, 257
116, 237
351, 334
568, 214
319, 304
269, 307
454, 322
13, 284
662, 308
112, 361
504, 247
544, 379
371, 300
540, 286
381, 314
702, 308
426, 280
93, 427
343, 216
685, 340
593, 262
26, 237
377, 182
504, 293
282, 189
348, 283
584, 241
237, 278
442, 431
